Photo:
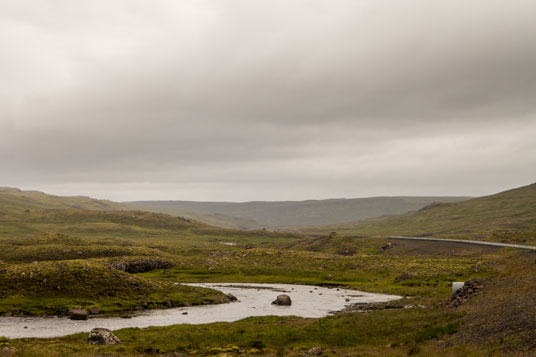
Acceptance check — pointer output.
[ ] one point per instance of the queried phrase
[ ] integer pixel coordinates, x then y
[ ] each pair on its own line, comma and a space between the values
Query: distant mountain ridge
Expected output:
280, 214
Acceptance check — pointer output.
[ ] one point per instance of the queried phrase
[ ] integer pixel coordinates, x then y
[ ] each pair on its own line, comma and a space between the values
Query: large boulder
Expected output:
102, 336
78, 314
283, 300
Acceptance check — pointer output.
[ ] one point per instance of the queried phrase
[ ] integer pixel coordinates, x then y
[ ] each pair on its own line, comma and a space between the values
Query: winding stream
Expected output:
253, 300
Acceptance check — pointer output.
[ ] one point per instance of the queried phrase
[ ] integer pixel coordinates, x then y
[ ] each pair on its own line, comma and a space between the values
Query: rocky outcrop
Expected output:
78, 314
470, 288
283, 300
141, 265
102, 336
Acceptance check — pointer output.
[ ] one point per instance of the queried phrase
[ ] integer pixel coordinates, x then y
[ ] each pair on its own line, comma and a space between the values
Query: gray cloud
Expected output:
243, 100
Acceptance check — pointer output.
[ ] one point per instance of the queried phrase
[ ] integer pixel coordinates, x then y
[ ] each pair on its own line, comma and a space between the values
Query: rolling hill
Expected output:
290, 213
14, 200
25, 213
509, 211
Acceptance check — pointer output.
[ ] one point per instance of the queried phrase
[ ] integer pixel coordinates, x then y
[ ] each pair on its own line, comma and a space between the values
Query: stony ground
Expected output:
503, 316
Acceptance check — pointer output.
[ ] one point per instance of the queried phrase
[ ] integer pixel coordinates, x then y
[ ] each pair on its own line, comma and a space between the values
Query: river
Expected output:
253, 300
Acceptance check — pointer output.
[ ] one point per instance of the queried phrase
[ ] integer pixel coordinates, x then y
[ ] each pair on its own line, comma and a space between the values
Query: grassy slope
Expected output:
509, 211
13, 200
23, 213
294, 213
143, 227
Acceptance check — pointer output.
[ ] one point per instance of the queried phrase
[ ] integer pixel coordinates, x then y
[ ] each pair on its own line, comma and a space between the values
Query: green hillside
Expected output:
509, 211
29, 212
13, 200
58, 253
291, 213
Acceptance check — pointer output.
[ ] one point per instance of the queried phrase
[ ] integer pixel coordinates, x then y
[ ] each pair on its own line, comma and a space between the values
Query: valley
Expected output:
122, 262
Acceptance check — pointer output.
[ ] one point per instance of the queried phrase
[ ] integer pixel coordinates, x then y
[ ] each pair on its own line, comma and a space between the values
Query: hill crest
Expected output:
507, 211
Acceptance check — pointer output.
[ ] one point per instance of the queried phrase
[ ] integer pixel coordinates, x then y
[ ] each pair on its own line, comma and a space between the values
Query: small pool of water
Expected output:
254, 300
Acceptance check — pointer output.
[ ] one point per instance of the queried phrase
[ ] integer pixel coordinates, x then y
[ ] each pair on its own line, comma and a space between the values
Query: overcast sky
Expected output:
267, 100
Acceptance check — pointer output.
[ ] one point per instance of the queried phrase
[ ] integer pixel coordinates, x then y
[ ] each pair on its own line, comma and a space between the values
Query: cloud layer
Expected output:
264, 100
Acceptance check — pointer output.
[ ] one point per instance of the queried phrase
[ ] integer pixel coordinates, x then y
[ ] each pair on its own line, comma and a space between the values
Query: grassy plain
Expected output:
78, 257
310, 261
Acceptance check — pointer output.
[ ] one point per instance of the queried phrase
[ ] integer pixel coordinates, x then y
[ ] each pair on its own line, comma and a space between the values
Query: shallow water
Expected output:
254, 300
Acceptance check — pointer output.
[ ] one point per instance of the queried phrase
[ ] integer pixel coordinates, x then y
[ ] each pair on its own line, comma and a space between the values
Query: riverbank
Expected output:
253, 300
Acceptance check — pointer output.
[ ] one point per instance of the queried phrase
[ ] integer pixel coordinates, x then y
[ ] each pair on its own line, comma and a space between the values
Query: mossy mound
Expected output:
50, 288
55, 246
337, 244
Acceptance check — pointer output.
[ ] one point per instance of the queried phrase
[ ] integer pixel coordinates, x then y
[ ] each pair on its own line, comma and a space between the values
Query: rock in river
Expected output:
78, 314
282, 300
102, 336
